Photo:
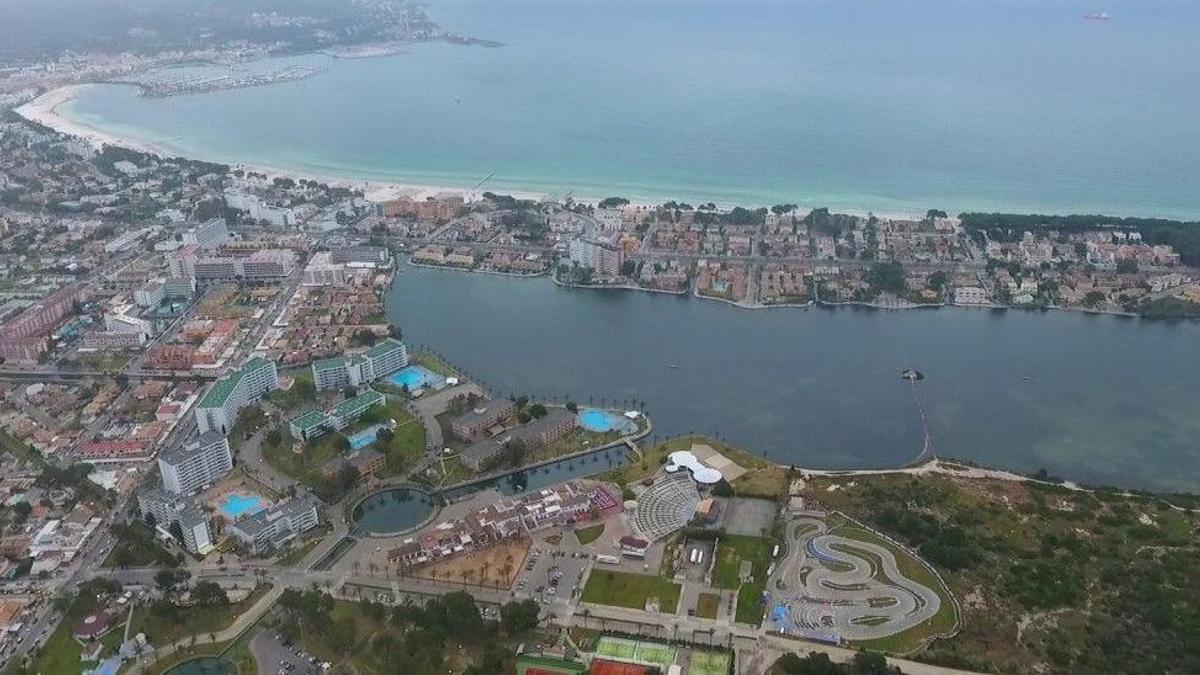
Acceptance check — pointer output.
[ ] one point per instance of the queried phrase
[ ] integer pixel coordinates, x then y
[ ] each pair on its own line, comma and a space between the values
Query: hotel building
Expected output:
185, 469
276, 527
383, 359
219, 408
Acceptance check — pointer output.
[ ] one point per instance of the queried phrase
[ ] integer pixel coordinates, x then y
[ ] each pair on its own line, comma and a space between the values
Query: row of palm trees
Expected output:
467, 575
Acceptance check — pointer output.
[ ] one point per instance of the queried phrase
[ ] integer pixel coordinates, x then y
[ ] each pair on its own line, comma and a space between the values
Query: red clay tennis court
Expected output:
602, 667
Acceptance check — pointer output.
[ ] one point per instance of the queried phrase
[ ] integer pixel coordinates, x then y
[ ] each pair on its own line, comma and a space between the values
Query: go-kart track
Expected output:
832, 588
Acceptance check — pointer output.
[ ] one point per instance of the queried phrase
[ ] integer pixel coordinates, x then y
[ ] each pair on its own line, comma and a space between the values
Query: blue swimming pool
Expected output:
365, 437
417, 377
235, 505
602, 421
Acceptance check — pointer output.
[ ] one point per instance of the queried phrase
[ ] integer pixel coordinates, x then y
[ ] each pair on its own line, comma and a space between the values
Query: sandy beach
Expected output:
45, 110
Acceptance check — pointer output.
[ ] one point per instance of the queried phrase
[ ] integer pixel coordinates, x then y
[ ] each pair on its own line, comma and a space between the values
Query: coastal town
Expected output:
208, 412
221, 452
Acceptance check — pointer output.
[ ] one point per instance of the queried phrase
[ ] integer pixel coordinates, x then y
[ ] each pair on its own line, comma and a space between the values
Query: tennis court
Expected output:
654, 653
616, 648
637, 651
708, 663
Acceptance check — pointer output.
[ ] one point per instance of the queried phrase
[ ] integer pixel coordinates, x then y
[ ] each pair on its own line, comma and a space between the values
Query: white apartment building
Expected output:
187, 468
219, 408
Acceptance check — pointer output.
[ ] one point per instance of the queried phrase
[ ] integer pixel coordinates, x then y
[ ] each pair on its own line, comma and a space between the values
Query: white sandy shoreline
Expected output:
45, 110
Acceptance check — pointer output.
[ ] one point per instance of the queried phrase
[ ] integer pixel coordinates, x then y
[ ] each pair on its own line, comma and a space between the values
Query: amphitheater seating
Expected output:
666, 506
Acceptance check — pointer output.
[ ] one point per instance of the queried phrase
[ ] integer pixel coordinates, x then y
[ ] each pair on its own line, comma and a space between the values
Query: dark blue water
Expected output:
1099, 399
547, 474
393, 511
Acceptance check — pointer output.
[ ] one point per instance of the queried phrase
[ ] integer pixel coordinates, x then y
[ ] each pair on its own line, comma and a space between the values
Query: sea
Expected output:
860, 105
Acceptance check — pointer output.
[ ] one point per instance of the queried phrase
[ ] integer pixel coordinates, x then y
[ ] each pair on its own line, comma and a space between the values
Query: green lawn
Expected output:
587, 535
732, 549
622, 589
301, 392
163, 629
433, 363
61, 652
136, 547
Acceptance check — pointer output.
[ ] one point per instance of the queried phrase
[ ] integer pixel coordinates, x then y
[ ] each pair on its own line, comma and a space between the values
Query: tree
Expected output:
514, 451
518, 617
887, 277
1127, 266
537, 411
937, 281
169, 581
572, 407
209, 593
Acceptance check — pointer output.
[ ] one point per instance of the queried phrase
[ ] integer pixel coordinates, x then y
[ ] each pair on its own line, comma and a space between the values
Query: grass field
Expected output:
708, 663
587, 535
433, 363
731, 551
622, 589
707, 605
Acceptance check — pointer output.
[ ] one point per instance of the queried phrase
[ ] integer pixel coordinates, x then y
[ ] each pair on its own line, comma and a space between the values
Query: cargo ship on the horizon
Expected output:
1097, 16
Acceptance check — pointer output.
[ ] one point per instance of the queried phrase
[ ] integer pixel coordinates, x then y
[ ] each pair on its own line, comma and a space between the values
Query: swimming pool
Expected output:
236, 504
366, 437
601, 421
417, 377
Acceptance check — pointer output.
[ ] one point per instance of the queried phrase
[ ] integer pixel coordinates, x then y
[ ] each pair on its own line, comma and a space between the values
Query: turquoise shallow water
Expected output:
863, 104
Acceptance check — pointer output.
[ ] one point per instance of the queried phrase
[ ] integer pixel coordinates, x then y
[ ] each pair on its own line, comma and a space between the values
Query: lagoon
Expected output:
1099, 399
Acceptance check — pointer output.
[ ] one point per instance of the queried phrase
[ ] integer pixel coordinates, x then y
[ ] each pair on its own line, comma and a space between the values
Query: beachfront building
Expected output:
316, 423
474, 422
168, 509
604, 259
381, 360
219, 408
274, 528
187, 468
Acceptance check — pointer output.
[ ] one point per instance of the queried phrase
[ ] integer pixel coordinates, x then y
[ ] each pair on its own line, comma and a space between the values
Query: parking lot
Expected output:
550, 575
274, 653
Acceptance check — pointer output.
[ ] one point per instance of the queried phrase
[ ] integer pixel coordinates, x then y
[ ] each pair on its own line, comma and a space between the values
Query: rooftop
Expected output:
366, 399
310, 420
222, 388
385, 347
